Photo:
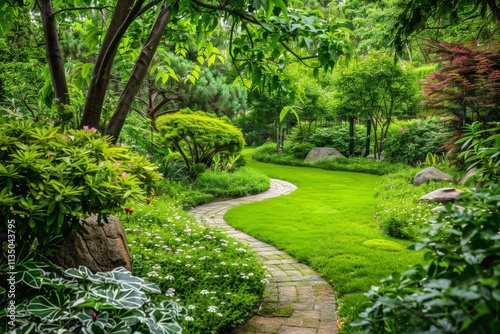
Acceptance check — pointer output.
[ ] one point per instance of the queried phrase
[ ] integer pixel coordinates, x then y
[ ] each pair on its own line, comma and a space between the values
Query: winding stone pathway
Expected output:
297, 300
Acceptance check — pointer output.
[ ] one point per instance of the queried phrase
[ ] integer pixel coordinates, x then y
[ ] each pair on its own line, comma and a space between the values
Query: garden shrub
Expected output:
76, 300
338, 137
218, 279
198, 137
413, 140
51, 178
481, 149
300, 150
458, 291
242, 182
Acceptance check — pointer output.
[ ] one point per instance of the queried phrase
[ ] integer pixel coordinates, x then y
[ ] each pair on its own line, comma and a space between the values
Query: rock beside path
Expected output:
102, 248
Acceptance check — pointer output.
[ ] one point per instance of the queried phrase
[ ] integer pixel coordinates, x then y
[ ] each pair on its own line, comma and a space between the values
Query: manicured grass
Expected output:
326, 223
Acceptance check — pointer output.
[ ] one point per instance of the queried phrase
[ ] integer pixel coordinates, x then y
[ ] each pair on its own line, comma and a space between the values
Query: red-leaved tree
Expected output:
468, 85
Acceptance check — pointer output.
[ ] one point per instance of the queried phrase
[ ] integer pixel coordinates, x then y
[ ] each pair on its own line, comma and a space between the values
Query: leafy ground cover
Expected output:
329, 224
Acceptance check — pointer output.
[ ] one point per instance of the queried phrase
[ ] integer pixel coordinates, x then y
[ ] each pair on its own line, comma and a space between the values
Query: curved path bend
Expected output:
297, 300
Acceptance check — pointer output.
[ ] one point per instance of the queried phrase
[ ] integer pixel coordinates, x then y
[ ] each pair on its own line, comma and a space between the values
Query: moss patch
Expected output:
274, 309
382, 244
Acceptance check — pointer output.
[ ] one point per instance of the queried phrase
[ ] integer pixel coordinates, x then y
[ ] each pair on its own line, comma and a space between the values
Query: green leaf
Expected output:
53, 308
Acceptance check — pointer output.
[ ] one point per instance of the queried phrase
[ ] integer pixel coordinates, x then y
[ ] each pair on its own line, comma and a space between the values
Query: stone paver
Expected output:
308, 299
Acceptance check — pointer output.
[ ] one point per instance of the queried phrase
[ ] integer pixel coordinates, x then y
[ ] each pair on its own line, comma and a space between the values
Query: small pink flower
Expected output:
124, 174
63, 138
94, 130
48, 155
72, 137
85, 128
118, 164
129, 165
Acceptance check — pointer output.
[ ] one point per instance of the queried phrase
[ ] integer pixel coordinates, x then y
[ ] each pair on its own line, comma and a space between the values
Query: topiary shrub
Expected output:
50, 179
458, 291
198, 137
411, 143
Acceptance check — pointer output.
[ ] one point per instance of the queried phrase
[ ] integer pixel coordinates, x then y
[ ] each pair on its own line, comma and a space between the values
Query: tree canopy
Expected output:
263, 37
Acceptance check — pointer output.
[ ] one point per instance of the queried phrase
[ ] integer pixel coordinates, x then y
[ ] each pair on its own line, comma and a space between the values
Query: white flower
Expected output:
219, 314
265, 281
191, 307
243, 250
169, 277
212, 309
156, 266
188, 318
223, 263
204, 292
202, 258
191, 279
226, 275
153, 274
170, 292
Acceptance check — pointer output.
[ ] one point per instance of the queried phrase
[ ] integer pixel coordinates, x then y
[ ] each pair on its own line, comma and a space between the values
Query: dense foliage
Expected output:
79, 301
198, 137
458, 291
480, 149
467, 85
338, 137
50, 178
387, 91
414, 140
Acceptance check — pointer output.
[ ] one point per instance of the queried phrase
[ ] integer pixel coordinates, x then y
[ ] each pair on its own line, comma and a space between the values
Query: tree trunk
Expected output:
124, 14
368, 134
138, 73
53, 52
351, 136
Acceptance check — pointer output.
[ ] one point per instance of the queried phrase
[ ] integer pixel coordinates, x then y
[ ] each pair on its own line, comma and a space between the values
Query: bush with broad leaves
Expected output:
459, 290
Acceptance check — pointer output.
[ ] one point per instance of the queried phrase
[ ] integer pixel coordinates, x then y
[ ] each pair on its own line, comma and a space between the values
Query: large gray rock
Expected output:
102, 248
431, 174
442, 195
322, 153
467, 176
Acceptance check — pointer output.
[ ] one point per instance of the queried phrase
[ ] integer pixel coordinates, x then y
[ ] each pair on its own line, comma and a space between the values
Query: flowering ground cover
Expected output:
216, 278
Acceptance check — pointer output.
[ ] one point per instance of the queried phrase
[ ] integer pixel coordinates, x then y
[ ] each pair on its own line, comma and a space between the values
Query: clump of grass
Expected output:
243, 181
382, 244
214, 276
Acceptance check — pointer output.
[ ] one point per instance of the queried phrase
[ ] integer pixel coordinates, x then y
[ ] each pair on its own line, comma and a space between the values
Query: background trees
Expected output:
130, 32
376, 88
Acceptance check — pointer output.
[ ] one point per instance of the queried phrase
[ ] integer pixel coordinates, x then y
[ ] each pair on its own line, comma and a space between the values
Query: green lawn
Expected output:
327, 223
